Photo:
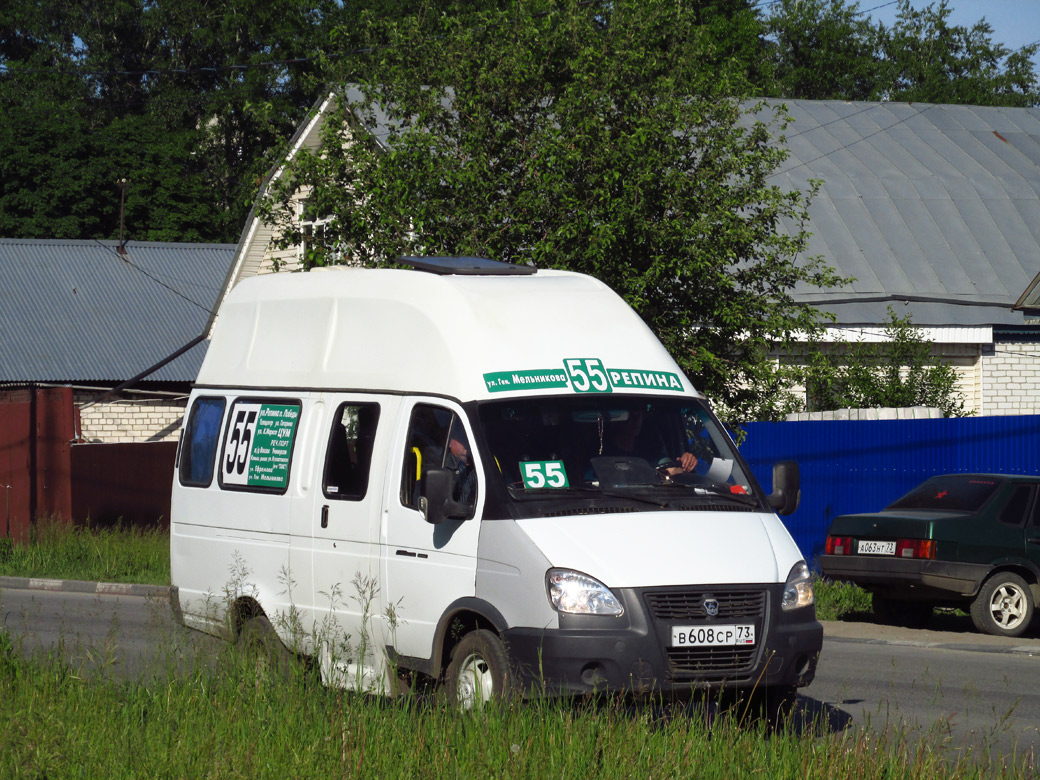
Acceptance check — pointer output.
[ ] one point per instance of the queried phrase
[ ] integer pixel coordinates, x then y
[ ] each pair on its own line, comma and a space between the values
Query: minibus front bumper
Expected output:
636, 652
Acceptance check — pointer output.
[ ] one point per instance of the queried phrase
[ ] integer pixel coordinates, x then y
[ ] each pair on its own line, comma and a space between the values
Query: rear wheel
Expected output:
479, 671
1003, 606
263, 650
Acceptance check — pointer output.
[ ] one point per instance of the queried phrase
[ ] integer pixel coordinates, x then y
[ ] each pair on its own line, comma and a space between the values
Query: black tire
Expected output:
263, 650
910, 614
1003, 606
478, 673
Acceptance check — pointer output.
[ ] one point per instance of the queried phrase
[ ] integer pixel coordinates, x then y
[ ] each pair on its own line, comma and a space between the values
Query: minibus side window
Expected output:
349, 455
199, 442
436, 439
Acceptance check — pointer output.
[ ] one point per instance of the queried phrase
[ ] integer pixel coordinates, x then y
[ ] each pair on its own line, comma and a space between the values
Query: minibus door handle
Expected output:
325, 516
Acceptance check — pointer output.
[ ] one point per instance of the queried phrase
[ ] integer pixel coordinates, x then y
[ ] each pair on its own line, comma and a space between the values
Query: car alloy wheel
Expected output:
1003, 606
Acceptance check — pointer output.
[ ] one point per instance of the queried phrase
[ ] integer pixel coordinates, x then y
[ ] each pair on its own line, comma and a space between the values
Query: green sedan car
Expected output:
963, 540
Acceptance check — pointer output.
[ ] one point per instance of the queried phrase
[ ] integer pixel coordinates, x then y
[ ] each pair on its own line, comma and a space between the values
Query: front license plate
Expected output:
876, 548
703, 636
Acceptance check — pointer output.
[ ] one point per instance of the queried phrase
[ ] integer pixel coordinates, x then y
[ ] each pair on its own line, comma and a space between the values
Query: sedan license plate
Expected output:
704, 636
876, 548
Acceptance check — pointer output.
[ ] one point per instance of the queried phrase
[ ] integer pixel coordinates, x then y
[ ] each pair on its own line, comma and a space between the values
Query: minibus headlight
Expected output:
579, 594
798, 590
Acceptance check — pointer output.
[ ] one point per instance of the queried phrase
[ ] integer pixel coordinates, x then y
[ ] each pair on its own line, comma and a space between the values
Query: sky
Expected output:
1015, 23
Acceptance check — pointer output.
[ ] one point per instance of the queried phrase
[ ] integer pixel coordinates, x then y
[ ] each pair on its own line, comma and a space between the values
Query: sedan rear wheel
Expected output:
1003, 606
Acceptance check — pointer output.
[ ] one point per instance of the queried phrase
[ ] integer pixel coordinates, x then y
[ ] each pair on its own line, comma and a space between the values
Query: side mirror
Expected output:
435, 502
786, 487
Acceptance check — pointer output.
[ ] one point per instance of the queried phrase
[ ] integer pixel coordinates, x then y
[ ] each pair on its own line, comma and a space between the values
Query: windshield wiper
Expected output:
615, 493
547, 492
712, 490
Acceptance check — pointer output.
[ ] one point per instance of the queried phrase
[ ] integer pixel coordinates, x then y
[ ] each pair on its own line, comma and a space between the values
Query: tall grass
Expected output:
219, 719
836, 600
62, 551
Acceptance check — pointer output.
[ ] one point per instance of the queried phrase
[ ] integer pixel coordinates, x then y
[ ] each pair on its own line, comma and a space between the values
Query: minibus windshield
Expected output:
650, 449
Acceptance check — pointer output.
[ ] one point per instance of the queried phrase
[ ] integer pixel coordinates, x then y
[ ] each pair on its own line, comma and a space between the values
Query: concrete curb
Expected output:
949, 639
1029, 650
79, 586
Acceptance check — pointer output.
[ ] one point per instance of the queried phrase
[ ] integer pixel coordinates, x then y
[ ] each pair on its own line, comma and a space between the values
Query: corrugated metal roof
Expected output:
77, 311
935, 209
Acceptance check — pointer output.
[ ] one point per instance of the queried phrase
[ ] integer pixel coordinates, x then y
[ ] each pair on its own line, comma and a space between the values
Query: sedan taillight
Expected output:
915, 548
839, 545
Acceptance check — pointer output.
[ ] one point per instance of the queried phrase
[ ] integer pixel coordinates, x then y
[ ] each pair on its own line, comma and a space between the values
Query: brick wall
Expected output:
130, 418
1010, 379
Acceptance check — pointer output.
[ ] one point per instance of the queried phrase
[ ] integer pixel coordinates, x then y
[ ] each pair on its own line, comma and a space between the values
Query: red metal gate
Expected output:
16, 435
36, 429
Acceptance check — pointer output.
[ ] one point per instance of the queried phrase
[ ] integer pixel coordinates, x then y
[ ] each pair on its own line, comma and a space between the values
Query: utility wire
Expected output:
126, 259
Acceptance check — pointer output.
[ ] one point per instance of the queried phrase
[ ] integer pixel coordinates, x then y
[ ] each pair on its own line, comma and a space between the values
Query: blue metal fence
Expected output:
863, 465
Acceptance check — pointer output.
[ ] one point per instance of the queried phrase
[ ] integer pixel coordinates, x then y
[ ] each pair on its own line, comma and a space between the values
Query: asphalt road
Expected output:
972, 698
130, 635
972, 693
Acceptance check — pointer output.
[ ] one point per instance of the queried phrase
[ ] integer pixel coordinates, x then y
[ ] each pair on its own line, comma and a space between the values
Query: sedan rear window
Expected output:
951, 492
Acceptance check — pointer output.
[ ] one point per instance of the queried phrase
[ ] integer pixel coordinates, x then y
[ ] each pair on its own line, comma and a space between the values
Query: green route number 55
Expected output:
587, 375
544, 474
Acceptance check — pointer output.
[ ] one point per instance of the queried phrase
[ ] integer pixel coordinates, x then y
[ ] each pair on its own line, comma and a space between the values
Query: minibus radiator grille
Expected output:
717, 662
689, 604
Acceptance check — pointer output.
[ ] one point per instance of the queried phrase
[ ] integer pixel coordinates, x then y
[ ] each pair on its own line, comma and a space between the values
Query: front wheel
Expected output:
478, 672
1003, 606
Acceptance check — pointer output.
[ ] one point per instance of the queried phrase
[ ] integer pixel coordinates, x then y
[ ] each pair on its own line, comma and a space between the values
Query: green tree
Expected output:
185, 99
823, 49
580, 137
829, 49
927, 59
900, 371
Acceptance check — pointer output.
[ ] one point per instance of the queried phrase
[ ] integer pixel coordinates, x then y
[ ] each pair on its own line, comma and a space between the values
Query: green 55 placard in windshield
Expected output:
258, 444
583, 375
539, 474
